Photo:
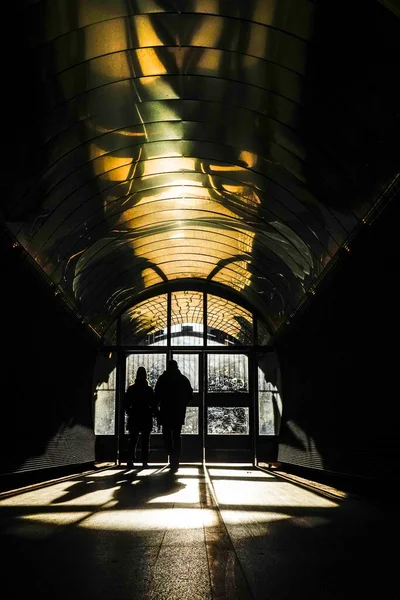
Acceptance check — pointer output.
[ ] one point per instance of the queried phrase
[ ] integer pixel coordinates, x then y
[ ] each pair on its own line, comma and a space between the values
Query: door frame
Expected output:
257, 444
221, 447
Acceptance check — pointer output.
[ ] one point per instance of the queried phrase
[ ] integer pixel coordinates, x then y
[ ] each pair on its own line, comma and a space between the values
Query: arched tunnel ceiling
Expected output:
238, 143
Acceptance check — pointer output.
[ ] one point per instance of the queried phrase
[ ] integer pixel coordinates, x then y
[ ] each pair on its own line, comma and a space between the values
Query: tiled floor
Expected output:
225, 532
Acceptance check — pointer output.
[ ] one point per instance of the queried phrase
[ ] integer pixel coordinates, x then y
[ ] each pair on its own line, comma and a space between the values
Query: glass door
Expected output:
155, 364
190, 364
228, 409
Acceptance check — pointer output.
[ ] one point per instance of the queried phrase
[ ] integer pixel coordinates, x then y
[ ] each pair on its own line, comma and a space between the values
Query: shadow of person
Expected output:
131, 486
138, 487
87, 484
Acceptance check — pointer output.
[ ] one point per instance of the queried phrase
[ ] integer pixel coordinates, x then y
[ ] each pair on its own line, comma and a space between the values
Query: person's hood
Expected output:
174, 372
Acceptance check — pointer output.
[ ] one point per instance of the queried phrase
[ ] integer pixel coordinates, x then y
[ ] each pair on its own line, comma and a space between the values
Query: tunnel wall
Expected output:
337, 358
47, 366
339, 367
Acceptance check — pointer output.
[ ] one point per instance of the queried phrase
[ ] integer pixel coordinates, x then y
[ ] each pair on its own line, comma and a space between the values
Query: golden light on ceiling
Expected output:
171, 149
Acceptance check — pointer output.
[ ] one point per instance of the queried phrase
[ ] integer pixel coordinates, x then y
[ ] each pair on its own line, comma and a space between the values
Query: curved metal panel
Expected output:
173, 145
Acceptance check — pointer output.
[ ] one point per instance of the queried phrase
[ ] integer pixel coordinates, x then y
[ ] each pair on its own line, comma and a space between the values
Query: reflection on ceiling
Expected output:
141, 323
146, 323
172, 145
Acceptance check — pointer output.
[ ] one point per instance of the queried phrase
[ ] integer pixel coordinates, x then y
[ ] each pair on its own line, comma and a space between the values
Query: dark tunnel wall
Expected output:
339, 364
338, 356
351, 118
47, 366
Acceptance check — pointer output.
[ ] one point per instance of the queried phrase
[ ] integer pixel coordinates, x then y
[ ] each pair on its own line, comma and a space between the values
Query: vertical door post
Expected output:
119, 394
253, 403
169, 324
204, 378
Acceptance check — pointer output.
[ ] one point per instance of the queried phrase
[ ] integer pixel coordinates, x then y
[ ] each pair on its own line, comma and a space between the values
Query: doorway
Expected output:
221, 347
219, 420
229, 409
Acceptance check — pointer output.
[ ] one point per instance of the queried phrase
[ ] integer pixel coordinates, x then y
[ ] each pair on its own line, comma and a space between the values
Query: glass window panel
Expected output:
191, 425
104, 405
146, 323
154, 364
105, 413
189, 366
187, 335
228, 323
104, 394
225, 420
187, 318
266, 413
269, 398
228, 373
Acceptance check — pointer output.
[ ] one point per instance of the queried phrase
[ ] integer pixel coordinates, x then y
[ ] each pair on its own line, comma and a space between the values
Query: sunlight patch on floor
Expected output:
189, 493
150, 520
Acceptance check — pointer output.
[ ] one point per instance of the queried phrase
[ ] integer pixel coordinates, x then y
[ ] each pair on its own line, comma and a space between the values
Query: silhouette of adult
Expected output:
173, 392
139, 405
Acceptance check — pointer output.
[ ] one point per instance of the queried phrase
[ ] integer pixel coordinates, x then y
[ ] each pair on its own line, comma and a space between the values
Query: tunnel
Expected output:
214, 182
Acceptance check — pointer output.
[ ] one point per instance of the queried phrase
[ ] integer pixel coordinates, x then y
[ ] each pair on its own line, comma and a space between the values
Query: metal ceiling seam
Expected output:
254, 268
132, 162
214, 78
137, 50
99, 176
127, 240
55, 72
262, 208
258, 176
219, 191
126, 248
285, 273
142, 124
229, 222
229, 196
304, 205
50, 257
263, 273
100, 209
141, 195
87, 90
129, 159
263, 160
259, 258
258, 230
111, 133
263, 270
99, 288
77, 67
123, 234
180, 14
105, 87
40, 250
123, 134
183, 141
